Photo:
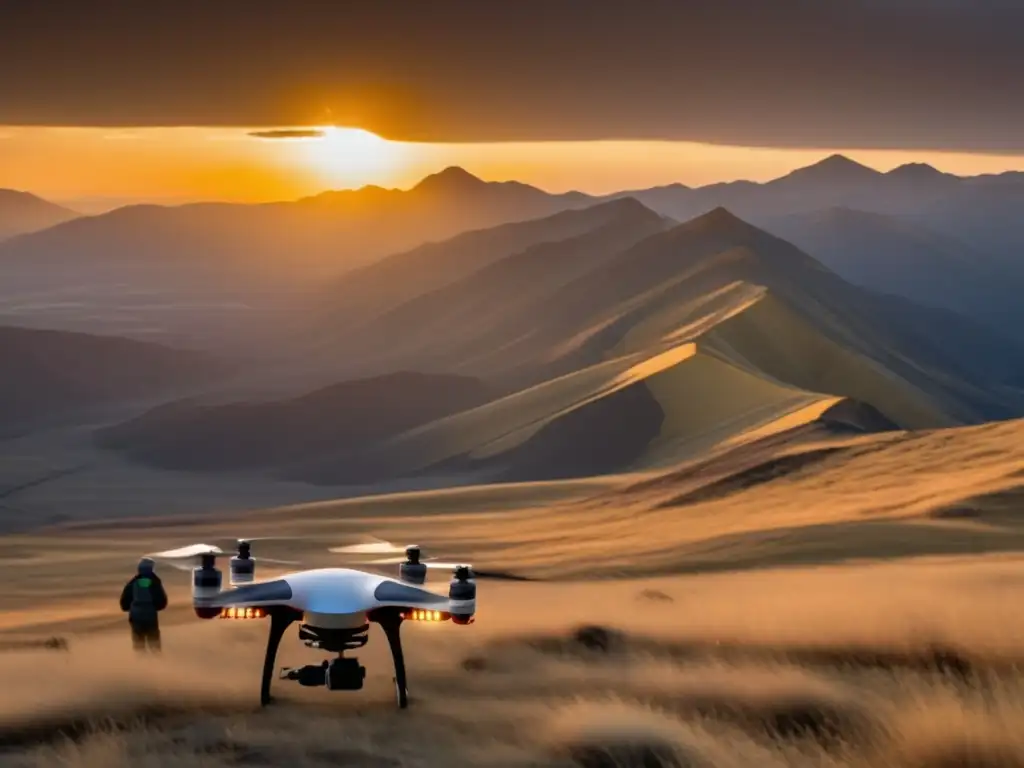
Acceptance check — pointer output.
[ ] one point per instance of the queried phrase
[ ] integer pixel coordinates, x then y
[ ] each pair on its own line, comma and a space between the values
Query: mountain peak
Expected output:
834, 168
918, 172
718, 219
27, 198
628, 205
451, 179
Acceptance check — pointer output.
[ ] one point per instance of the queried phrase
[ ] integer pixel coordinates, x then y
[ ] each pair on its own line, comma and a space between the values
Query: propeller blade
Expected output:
378, 547
275, 561
446, 566
427, 563
251, 539
180, 565
184, 553
193, 551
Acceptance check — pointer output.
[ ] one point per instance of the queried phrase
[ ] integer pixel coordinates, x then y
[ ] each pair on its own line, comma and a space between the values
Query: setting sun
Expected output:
348, 157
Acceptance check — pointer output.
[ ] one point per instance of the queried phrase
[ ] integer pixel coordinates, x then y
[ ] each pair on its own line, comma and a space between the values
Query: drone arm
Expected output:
391, 622
280, 619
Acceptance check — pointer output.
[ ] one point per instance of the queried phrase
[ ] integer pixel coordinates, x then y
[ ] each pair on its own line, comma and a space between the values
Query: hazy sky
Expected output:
178, 164
923, 76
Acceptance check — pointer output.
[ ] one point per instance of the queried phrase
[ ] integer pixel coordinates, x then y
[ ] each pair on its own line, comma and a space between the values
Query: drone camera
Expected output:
345, 675
309, 676
338, 675
235, 612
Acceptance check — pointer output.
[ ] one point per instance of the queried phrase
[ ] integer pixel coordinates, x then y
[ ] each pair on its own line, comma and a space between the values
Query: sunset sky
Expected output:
157, 100
178, 164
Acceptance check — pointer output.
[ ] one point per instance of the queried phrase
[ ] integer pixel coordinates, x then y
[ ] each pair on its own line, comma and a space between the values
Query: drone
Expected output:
334, 607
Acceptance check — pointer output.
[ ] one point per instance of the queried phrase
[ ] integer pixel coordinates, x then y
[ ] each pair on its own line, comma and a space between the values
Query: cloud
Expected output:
921, 74
289, 133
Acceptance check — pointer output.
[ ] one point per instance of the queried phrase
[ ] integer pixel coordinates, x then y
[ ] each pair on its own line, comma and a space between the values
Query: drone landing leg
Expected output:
279, 622
392, 626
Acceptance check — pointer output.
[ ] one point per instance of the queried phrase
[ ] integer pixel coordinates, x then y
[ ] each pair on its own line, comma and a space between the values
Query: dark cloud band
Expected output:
290, 133
849, 73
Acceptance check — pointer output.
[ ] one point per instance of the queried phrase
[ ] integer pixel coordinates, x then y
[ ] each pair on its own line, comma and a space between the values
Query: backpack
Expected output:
143, 609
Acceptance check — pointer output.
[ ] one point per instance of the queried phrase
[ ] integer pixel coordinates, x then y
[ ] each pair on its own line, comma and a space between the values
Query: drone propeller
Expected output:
185, 557
429, 563
374, 547
399, 555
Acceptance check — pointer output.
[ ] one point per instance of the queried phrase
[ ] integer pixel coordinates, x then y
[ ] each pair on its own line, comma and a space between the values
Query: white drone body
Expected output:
335, 607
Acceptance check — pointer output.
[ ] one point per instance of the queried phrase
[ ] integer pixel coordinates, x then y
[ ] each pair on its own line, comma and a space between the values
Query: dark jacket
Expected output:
143, 597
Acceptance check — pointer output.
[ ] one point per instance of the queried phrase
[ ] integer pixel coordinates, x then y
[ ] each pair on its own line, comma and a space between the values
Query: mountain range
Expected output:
492, 332
896, 255
629, 343
217, 275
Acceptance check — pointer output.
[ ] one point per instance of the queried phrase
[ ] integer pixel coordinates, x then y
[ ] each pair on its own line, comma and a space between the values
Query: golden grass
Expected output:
725, 671
904, 661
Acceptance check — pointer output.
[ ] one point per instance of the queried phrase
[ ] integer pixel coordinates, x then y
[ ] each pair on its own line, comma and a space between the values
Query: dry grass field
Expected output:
797, 599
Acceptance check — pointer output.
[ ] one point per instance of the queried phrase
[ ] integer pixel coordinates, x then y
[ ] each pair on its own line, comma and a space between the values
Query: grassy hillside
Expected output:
800, 600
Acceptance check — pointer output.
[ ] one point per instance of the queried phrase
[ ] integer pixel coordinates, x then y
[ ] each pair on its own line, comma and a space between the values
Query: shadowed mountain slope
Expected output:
22, 212
449, 294
336, 420
50, 375
660, 290
896, 256
365, 294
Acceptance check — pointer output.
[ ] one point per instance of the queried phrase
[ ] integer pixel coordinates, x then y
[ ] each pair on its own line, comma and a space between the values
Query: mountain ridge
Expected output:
22, 213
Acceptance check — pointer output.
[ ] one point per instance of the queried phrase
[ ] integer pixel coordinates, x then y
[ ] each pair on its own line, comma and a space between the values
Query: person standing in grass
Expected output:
143, 598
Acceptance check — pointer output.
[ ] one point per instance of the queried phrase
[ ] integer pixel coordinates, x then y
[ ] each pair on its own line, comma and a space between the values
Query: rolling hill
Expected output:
50, 376
23, 212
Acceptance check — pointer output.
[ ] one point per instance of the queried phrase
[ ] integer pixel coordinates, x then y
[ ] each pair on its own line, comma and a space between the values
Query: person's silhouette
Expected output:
143, 598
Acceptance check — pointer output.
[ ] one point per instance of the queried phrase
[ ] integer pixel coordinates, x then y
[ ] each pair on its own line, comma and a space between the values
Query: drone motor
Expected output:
243, 567
462, 593
206, 584
412, 570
